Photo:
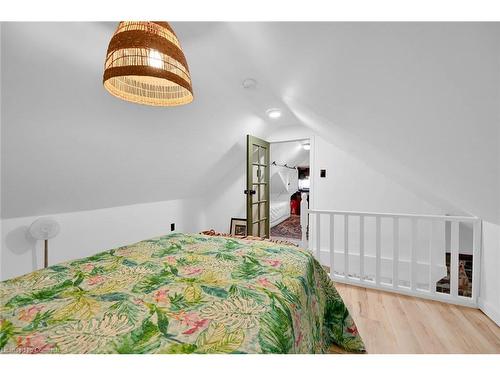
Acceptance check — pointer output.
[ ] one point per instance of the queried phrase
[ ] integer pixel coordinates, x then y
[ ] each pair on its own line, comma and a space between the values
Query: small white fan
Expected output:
45, 228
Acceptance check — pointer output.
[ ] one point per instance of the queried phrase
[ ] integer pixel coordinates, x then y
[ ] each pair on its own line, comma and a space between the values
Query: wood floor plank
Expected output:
395, 323
422, 330
478, 331
434, 327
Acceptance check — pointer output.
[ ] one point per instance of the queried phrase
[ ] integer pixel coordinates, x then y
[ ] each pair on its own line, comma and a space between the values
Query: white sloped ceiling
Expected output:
417, 102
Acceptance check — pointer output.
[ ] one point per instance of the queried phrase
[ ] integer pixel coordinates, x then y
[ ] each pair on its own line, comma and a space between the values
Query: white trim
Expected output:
291, 140
312, 172
440, 297
378, 214
489, 310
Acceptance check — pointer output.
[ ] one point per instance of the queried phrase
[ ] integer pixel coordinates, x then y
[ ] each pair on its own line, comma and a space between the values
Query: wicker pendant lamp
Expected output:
145, 64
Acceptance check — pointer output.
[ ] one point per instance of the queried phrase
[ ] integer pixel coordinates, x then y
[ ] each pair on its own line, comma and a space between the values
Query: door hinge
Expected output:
251, 192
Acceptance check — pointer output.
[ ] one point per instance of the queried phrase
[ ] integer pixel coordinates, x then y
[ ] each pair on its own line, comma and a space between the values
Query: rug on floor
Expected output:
290, 228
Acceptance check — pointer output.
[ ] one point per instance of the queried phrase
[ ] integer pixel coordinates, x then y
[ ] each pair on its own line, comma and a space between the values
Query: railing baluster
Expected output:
377, 250
361, 248
346, 246
395, 253
476, 258
318, 237
413, 263
454, 240
304, 218
432, 288
332, 243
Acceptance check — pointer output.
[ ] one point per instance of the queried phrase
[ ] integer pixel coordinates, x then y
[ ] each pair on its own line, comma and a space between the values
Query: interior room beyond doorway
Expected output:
290, 177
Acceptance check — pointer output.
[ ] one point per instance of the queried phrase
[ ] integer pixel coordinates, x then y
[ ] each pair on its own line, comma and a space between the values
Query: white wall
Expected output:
226, 201
352, 185
85, 233
489, 296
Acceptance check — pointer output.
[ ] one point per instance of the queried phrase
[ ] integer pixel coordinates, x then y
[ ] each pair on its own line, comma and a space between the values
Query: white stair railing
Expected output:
402, 253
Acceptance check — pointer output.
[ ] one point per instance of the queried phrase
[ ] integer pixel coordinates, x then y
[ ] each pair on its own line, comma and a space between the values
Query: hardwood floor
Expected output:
394, 323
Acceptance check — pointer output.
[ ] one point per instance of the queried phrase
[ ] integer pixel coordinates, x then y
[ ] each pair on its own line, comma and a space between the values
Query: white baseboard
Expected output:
492, 312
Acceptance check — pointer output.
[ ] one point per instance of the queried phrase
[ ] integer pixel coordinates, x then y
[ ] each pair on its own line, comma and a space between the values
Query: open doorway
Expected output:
289, 179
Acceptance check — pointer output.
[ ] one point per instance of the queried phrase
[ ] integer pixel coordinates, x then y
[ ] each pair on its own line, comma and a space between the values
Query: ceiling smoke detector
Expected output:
249, 83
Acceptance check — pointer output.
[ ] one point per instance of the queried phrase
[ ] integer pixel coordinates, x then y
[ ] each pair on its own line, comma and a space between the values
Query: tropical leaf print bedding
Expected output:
178, 294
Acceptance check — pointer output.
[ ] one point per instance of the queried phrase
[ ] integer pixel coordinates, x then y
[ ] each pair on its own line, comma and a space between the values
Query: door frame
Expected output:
312, 174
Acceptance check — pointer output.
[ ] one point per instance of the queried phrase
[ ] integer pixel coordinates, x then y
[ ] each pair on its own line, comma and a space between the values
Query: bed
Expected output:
279, 211
179, 293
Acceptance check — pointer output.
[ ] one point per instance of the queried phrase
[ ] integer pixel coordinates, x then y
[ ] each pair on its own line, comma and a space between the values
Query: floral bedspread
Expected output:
178, 294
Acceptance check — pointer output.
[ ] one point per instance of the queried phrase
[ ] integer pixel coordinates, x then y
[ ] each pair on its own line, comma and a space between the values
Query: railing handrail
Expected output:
385, 214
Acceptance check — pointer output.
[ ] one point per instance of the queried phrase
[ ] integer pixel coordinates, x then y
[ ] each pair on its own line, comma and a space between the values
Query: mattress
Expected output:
279, 211
178, 294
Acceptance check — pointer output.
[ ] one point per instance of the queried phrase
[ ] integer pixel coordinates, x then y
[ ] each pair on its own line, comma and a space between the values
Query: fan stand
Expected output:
44, 229
46, 253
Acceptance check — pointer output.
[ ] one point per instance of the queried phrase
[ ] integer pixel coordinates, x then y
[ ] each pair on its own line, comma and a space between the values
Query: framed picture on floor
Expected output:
238, 226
